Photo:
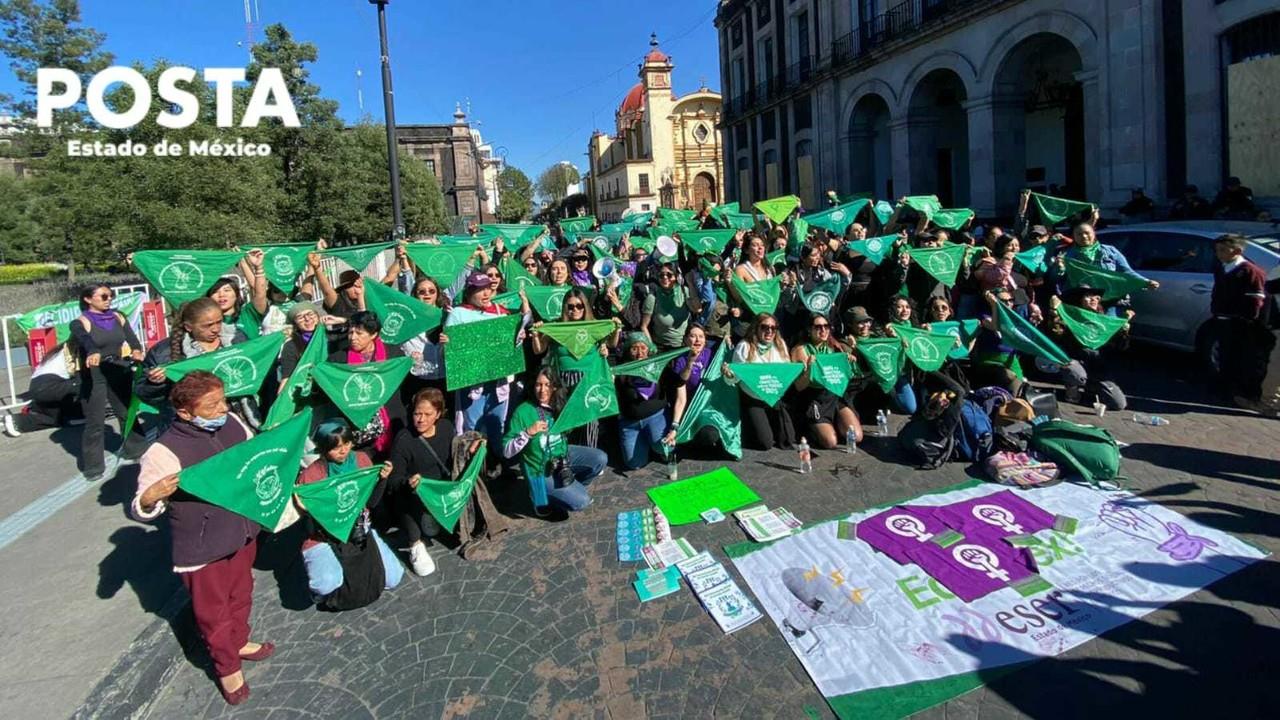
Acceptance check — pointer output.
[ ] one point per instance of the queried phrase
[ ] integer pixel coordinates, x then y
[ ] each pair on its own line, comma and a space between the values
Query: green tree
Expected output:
554, 182
515, 195
20, 232
36, 34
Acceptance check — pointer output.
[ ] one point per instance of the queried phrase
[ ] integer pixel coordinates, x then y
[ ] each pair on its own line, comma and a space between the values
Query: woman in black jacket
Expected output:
643, 409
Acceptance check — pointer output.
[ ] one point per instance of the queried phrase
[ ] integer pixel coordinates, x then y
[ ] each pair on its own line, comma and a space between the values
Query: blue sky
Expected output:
540, 74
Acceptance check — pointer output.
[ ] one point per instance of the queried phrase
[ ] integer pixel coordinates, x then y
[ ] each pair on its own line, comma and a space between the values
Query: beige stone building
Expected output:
665, 152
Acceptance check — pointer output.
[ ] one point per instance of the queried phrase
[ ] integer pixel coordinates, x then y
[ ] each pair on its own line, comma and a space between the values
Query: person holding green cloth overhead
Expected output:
226, 293
1086, 248
569, 369
1091, 375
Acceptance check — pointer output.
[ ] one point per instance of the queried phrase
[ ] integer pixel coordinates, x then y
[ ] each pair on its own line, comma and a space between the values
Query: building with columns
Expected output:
665, 151
976, 99
453, 154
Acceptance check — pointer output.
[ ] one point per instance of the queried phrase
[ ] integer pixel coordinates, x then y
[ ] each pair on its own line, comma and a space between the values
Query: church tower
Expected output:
655, 75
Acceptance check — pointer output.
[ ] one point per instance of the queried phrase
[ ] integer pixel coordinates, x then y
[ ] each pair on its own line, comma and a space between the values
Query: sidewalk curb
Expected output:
137, 678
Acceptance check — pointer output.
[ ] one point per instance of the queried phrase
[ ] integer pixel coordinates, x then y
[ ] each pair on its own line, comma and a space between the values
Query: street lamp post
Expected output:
389, 111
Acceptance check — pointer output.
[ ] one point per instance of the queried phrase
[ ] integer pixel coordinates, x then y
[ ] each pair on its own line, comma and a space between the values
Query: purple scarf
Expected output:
102, 320
582, 278
644, 388
306, 336
699, 364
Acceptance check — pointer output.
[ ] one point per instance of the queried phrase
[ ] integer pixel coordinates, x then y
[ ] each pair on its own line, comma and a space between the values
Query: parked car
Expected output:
1180, 256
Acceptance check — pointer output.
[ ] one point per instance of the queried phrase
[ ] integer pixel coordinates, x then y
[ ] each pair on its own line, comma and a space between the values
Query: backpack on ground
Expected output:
1084, 451
974, 434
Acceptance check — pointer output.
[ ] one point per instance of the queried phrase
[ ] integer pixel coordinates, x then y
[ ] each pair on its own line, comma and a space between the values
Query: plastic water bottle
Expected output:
806, 458
1153, 420
851, 441
882, 423
673, 464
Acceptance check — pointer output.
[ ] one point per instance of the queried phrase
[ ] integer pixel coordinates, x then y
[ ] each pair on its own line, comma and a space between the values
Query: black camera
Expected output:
127, 363
561, 473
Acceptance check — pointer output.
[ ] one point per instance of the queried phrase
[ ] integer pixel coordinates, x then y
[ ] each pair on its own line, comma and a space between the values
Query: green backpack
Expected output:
1084, 450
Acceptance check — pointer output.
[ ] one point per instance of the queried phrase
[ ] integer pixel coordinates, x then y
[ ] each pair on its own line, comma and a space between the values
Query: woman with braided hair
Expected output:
197, 328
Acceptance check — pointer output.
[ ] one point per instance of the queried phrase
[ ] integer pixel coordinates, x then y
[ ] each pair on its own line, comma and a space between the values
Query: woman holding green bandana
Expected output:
1086, 248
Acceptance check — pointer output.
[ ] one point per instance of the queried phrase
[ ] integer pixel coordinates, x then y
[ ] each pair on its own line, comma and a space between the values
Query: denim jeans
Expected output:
324, 572
587, 464
485, 414
707, 295
904, 397
639, 437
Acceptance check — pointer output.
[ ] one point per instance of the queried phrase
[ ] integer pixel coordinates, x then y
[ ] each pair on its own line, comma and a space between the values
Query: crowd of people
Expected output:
694, 302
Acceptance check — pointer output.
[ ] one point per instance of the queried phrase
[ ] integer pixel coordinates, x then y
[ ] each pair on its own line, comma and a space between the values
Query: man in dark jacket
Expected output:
1239, 304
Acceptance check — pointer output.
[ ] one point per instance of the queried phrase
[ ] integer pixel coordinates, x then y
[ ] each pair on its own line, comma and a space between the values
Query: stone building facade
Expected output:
666, 150
975, 99
451, 153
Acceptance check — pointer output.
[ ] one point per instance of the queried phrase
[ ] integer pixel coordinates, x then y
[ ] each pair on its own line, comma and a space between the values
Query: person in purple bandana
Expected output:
108, 350
642, 405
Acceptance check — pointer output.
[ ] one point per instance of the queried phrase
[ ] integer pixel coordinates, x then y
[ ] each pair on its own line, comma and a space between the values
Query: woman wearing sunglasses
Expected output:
568, 369
426, 348
828, 415
666, 313
763, 427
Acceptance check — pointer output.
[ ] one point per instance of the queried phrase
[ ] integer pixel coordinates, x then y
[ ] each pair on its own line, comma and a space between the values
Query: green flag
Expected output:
298, 384
885, 358
1033, 259
839, 218
514, 274
942, 263
883, 210
707, 242
483, 350
767, 381
797, 235
241, 368
471, 240
616, 228
1113, 285
358, 256
254, 478
59, 316
715, 404
638, 220
181, 276
283, 263
962, 330
926, 205
719, 212
444, 499
626, 286
593, 398
578, 338
444, 263
832, 371
821, 299
1021, 335
738, 221
875, 248
952, 218
402, 317
649, 368
360, 391
337, 501
1092, 329
927, 350
517, 235
645, 242
547, 300
509, 300
674, 214
776, 258
760, 296
577, 224
778, 209
1054, 210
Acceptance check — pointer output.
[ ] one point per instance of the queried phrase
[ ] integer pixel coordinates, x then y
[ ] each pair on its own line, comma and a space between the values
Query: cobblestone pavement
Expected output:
552, 628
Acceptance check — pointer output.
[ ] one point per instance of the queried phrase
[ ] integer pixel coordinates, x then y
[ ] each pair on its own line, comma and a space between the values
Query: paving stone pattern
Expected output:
552, 628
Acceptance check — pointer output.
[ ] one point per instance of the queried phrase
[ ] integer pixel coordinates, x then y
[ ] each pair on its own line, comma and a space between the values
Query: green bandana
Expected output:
716, 405
885, 358
1033, 259
874, 248
839, 218
760, 296
509, 300
483, 350
254, 478
402, 317
674, 214
547, 301
798, 234
593, 398
360, 391
962, 330
1021, 335
926, 205
649, 368
578, 224
767, 382
720, 211
442, 263
821, 300
578, 338
883, 211
775, 258
927, 350
515, 276
832, 371
1054, 210
1092, 329
299, 383
942, 263
1114, 285
241, 368
338, 500
516, 235
778, 209
952, 219
639, 220
707, 242
182, 276
738, 221
283, 263
445, 500
358, 256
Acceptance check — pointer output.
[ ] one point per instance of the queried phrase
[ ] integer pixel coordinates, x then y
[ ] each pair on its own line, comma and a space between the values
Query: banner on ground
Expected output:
1091, 329
59, 316
882, 639
337, 501
767, 382
594, 397
255, 478
760, 296
360, 391
184, 275
402, 317
444, 499
241, 368
714, 404
298, 384
578, 338
358, 257
483, 350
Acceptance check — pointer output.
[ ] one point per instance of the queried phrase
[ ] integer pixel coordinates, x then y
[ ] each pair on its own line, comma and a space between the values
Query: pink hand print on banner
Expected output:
1169, 538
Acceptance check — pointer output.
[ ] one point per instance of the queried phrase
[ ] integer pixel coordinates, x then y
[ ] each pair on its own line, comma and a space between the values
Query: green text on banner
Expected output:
832, 371
360, 391
337, 501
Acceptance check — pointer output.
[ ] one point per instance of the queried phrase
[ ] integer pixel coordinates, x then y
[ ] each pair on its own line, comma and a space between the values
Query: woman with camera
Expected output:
558, 473
108, 351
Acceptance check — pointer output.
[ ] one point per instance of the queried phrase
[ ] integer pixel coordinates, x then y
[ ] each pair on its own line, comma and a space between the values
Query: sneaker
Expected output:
421, 560
10, 427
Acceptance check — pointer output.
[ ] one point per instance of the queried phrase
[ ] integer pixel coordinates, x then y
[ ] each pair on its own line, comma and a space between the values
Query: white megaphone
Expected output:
666, 246
604, 268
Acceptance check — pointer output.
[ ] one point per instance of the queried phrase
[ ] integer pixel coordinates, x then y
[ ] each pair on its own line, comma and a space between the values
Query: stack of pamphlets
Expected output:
763, 524
650, 584
637, 528
667, 552
718, 592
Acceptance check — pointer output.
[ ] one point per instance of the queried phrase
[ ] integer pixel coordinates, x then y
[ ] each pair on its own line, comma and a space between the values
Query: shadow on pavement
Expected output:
1252, 471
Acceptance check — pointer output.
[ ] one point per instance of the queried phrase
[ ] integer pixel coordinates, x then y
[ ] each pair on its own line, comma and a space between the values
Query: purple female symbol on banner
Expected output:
1169, 538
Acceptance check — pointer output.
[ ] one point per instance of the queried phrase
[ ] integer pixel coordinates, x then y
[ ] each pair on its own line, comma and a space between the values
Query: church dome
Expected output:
634, 101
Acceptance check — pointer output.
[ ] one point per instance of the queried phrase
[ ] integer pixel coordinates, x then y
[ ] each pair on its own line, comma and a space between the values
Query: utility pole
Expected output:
389, 111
